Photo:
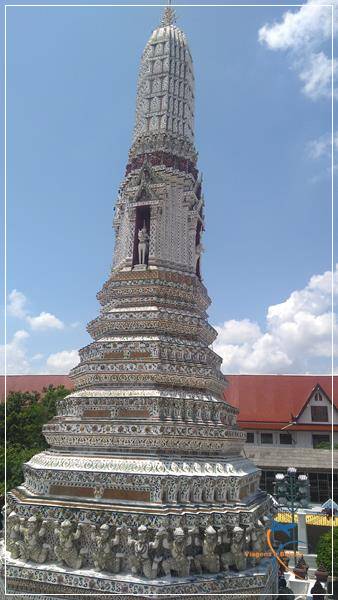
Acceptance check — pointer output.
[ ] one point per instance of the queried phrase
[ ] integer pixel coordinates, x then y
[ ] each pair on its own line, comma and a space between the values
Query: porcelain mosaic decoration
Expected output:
144, 489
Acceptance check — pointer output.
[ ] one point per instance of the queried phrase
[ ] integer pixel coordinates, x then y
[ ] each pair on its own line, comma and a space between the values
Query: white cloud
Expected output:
44, 321
16, 355
18, 359
302, 33
16, 306
238, 332
316, 75
322, 146
297, 334
62, 362
303, 27
20, 363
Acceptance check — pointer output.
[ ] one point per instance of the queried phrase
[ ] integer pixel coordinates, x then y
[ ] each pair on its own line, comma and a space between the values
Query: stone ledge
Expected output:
309, 459
239, 513
43, 578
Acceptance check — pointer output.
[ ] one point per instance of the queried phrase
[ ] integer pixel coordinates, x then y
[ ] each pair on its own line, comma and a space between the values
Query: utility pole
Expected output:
292, 493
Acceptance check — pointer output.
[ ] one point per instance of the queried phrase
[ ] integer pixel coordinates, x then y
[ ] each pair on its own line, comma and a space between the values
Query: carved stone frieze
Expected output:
170, 487
170, 407
152, 552
230, 447
154, 320
159, 348
236, 514
238, 466
103, 379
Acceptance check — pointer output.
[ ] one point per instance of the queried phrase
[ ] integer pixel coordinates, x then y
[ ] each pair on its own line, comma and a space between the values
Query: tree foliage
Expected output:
26, 413
326, 446
324, 551
16, 456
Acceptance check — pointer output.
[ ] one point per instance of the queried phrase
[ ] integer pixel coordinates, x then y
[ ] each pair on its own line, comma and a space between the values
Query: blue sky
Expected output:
263, 122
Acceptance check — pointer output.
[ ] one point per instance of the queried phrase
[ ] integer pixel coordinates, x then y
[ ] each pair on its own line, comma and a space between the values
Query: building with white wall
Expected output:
290, 420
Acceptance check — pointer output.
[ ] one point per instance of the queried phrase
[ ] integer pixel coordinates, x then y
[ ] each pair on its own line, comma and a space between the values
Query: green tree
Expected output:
323, 446
324, 551
26, 413
326, 446
16, 456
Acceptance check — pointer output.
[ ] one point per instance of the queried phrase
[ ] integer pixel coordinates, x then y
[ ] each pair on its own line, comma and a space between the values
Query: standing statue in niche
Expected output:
198, 254
143, 245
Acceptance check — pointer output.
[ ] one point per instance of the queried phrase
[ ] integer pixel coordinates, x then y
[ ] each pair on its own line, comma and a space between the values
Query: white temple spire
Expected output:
146, 445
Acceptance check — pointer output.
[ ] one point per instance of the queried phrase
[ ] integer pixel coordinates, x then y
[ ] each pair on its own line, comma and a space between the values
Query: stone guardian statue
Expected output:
14, 534
104, 557
209, 560
32, 546
238, 545
66, 549
257, 535
178, 562
141, 562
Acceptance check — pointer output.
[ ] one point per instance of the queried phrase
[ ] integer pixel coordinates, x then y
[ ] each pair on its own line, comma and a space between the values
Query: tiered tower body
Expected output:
146, 442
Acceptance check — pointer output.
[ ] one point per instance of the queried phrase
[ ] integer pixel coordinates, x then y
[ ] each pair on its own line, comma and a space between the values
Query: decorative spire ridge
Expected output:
169, 16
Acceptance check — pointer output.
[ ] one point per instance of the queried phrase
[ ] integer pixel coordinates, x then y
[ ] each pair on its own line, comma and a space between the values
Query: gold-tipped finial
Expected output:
169, 16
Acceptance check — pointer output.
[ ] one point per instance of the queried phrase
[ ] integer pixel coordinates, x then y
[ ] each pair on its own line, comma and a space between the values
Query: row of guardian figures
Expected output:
143, 552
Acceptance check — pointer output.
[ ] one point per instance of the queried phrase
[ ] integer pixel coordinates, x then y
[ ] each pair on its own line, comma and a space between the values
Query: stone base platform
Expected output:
29, 578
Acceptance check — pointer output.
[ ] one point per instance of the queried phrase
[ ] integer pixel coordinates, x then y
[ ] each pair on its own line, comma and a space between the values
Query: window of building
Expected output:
250, 437
267, 480
319, 413
320, 439
285, 439
318, 397
266, 438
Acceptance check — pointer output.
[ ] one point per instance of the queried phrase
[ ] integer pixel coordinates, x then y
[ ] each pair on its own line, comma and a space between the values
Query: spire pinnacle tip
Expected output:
169, 16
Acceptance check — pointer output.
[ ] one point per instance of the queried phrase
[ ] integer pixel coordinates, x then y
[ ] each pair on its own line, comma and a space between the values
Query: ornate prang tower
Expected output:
144, 489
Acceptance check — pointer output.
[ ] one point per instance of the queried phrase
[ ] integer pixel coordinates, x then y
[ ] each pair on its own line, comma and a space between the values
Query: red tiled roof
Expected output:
267, 401
32, 383
312, 427
274, 399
